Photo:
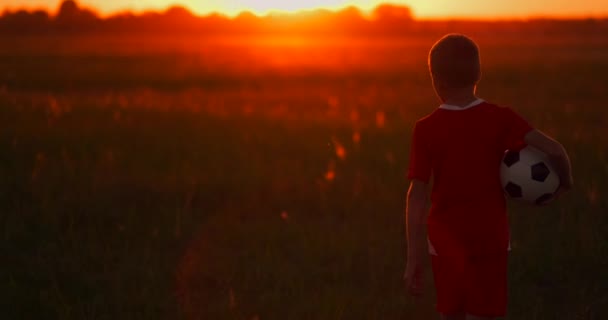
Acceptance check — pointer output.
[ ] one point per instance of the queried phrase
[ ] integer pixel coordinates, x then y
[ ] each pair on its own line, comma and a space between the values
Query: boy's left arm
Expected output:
416, 211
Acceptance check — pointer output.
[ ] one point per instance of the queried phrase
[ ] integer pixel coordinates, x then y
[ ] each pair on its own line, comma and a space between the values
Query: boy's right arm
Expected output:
419, 173
416, 209
557, 154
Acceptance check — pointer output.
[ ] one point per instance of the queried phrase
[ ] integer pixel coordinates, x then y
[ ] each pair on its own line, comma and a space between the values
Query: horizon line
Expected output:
367, 13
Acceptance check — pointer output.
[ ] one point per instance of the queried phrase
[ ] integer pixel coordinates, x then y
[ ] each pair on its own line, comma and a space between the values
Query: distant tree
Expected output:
68, 10
216, 23
24, 22
392, 19
247, 16
350, 13
178, 18
246, 22
119, 22
391, 12
350, 20
179, 12
71, 18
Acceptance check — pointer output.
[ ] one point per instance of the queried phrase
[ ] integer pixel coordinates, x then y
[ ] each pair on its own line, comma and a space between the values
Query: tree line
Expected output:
386, 19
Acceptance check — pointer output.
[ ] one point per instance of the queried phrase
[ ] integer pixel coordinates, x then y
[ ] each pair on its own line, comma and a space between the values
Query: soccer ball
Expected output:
527, 175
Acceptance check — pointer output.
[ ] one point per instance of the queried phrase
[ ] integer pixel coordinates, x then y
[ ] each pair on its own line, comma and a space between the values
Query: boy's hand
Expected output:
563, 188
413, 277
566, 185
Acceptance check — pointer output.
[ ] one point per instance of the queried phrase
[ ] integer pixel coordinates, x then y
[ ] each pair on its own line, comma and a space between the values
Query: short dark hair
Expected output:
454, 61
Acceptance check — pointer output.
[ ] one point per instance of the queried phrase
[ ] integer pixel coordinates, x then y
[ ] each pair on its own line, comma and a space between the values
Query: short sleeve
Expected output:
516, 128
420, 160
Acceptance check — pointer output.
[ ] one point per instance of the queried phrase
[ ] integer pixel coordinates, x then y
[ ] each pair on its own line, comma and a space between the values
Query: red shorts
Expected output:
474, 285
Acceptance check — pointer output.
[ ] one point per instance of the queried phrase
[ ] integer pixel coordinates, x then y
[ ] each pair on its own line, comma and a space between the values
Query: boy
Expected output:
461, 145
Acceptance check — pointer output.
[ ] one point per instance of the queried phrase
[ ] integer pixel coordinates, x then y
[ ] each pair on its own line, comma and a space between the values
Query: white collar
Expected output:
457, 108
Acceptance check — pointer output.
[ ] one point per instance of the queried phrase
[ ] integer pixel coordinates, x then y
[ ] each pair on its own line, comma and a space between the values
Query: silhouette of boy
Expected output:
460, 145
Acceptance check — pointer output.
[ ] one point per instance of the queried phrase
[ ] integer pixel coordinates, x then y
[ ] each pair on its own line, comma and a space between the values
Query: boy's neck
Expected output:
460, 98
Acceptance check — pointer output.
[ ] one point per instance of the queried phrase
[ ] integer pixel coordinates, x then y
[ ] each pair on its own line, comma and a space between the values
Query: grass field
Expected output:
203, 179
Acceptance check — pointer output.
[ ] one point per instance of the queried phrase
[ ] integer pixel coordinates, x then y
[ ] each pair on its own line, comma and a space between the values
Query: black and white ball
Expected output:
527, 175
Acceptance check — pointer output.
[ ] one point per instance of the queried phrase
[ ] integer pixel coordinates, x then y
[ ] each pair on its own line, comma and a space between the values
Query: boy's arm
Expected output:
416, 210
417, 197
557, 154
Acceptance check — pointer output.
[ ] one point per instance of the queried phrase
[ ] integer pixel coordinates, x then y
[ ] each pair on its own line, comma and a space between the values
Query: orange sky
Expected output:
421, 8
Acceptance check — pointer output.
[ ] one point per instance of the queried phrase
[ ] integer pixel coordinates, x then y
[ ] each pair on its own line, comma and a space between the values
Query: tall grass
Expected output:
132, 190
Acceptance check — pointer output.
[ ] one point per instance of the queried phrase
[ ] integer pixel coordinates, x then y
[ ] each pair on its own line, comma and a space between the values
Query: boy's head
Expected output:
454, 63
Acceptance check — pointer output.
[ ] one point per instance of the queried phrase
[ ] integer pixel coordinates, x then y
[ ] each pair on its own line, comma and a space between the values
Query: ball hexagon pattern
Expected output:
540, 172
527, 175
513, 190
511, 157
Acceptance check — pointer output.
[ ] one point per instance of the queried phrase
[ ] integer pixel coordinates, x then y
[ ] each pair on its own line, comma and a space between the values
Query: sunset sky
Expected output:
422, 8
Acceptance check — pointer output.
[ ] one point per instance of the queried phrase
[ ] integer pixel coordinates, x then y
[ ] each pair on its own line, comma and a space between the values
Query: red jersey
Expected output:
462, 149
